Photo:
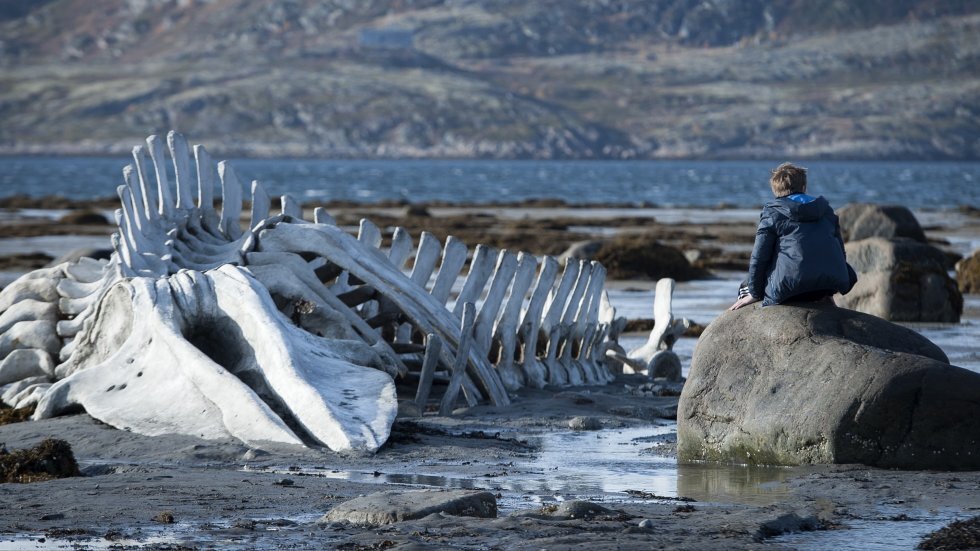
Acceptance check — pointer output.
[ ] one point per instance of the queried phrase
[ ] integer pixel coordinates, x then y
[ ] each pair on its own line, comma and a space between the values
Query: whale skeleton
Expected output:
289, 330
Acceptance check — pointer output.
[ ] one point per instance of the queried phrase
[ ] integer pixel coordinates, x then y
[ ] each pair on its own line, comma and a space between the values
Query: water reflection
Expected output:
607, 465
751, 484
873, 535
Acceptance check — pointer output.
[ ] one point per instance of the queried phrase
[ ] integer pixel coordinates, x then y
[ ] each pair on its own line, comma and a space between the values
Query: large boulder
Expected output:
862, 220
809, 384
901, 280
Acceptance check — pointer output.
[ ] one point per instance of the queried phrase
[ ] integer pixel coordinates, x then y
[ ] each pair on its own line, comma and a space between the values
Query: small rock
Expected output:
408, 409
968, 273
85, 218
416, 211
581, 250
578, 509
253, 454
790, 522
397, 506
284, 482
164, 517
646, 523
584, 423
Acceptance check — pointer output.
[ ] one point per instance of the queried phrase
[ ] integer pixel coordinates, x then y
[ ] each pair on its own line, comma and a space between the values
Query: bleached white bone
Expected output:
506, 329
535, 373
665, 328
193, 307
29, 288
372, 267
86, 270
321, 216
401, 247
291, 208
433, 349
24, 363
459, 365
481, 267
453, 258
485, 318
573, 371
180, 154
425, 262
231, 203
10, 393
30, 395
254, 342
28, 310
38, 334
261, 205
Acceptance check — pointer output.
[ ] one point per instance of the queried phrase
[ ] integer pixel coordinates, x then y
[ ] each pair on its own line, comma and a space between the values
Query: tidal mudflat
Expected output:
223, 494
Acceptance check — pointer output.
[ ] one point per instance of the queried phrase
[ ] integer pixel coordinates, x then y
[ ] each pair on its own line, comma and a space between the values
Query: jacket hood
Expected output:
801, 207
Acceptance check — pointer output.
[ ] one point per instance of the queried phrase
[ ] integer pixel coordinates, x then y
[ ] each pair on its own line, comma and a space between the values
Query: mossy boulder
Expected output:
641, 256
817, 384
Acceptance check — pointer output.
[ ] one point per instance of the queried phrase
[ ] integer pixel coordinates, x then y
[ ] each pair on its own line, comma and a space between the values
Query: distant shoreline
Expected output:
109, 152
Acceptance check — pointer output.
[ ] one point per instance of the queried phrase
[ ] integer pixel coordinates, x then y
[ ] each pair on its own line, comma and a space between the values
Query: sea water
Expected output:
934, 185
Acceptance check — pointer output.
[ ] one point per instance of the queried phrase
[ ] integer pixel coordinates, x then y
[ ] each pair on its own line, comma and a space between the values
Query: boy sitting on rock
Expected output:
798, 253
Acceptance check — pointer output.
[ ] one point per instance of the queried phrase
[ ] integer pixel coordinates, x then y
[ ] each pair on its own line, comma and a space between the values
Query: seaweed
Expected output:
50, 459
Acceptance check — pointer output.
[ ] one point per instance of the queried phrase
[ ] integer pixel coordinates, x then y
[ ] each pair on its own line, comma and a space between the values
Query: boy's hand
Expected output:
744, 301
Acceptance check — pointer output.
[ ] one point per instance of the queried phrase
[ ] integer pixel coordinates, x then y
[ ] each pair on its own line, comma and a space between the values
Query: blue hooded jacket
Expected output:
798, 249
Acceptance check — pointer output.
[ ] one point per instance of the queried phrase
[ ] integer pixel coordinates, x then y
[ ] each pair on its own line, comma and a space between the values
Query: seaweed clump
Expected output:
643, 257
50, 459
11, 415
960, 534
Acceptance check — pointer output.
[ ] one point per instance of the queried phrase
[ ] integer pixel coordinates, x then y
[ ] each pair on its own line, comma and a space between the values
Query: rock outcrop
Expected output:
817, 384
901, 280
863, 220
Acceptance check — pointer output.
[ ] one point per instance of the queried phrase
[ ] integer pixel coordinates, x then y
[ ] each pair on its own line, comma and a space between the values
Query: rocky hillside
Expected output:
496, 78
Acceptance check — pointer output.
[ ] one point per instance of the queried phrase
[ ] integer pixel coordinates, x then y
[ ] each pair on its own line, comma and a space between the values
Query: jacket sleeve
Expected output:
837, 234
763, 255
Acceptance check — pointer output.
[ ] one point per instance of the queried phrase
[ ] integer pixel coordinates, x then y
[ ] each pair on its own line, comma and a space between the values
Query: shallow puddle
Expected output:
883, 534
613, 465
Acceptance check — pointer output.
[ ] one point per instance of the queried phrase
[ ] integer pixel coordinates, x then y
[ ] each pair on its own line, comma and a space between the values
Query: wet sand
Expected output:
224, 494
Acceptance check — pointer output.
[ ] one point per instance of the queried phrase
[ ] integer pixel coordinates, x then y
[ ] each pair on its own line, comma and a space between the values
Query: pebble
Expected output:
584, 423
646, 523
253, 454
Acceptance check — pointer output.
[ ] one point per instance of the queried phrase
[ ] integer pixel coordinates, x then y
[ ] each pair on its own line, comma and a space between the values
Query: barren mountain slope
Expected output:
496, 78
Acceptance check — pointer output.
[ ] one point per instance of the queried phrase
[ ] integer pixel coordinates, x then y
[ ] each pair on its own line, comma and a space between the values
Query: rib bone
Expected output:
199, 326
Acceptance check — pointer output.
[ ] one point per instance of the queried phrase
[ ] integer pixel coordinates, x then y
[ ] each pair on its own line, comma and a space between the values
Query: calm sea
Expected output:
659, 183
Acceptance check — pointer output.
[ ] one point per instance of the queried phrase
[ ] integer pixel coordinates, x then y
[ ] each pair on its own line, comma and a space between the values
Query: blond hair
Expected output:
787, 179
